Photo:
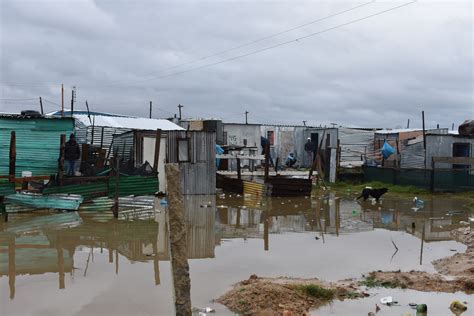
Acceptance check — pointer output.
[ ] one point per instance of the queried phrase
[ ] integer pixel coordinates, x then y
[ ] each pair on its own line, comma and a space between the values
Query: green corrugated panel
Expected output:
37, 143
129, 185
6, 187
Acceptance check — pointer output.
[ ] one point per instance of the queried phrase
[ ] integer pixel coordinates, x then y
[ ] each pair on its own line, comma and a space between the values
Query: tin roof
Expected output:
120, 121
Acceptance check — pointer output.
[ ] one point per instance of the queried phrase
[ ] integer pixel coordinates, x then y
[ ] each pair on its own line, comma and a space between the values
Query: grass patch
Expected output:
317, 291
370, 281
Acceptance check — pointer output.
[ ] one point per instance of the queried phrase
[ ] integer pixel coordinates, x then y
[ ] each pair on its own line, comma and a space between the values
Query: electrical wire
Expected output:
274, 46
256, 40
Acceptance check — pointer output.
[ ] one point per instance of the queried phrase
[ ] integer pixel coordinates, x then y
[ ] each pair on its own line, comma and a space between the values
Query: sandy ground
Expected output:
422, 281
460, 264
280, 296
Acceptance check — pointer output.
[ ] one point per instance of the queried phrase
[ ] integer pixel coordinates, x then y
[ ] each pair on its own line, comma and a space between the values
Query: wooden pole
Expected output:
41, 106
424, 134
432, 178
267, 160
156, 264
12, 163
117, 187
72, 103
239, 171
59, 249
178, 247
61, 158
62, 100
11, 266
157, 150
151, 105
422, 240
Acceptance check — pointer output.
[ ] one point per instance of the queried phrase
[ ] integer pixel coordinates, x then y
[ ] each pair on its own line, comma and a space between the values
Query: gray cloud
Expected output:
377, 72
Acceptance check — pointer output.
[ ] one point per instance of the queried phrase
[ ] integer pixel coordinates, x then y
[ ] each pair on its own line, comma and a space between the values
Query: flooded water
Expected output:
87, 263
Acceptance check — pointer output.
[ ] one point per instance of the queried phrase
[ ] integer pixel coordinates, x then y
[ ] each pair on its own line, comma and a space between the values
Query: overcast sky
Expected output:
377, 72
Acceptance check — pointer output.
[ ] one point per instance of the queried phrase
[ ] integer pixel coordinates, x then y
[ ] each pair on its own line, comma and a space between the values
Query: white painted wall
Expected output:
149, 155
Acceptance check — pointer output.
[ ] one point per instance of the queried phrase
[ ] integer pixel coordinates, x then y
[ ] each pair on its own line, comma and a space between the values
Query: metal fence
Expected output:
440, 180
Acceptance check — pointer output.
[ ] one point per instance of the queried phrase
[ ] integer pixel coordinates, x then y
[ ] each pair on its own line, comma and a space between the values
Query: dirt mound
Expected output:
464, 235
418, 280
460, 264
284, 296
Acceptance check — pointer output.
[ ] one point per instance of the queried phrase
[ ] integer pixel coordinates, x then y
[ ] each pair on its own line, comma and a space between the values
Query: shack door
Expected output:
461, 150
315, 141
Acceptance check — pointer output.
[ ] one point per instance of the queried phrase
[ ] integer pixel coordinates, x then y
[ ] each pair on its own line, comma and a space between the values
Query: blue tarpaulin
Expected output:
387, 150
219, 151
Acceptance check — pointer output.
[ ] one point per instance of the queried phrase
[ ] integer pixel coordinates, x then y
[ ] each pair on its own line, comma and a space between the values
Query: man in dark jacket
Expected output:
71, 154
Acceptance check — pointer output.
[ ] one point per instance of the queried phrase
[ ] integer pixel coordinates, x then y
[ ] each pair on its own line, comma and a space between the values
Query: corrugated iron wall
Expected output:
123, 145
199, 175
356, 144
37, 143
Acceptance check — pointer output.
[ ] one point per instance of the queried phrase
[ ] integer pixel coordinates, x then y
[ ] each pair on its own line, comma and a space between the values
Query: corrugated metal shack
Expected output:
37, 143
195, 152
398, 139
292, 138
138, 146
447, 164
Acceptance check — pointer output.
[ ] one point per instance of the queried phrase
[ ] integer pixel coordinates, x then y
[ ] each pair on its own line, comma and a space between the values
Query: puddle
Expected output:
111, 267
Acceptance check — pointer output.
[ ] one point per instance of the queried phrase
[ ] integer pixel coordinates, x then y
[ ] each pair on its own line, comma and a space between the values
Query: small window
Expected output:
183, 150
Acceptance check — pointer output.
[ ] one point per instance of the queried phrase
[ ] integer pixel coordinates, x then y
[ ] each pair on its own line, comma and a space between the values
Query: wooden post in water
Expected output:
62, 149
11, 266
117, 186
12, 163
157, 150
59, 249
178, 248
156, 264
422, 241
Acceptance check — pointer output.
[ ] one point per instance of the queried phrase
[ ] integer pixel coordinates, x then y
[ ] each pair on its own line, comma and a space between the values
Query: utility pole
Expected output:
246, 116
62, 100
304, 123
41, 106
73, 99
408, 123
151, 105
424, 133
179, 108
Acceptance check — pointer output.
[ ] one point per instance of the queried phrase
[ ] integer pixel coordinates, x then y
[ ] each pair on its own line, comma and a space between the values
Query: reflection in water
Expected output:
32, 244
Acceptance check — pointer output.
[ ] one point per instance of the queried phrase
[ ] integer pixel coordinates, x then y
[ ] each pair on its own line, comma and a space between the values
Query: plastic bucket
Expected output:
26, 174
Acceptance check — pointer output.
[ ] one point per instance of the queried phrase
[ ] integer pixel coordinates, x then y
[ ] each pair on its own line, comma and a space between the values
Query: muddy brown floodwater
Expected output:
87, 263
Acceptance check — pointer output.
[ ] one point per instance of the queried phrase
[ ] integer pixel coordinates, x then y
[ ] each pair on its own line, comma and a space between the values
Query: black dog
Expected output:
375, 193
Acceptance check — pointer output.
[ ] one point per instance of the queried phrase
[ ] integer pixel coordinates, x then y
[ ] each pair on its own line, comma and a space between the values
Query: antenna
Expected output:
179, 108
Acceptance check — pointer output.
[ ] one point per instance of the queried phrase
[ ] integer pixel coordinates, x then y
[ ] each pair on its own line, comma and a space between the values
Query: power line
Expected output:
276, 45
17, 99
257, 40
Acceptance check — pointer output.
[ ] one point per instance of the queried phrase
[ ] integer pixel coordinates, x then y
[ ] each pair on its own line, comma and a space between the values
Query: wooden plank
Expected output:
157, 149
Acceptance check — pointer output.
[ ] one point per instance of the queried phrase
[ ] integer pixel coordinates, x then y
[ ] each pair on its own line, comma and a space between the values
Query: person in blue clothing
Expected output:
290, 160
